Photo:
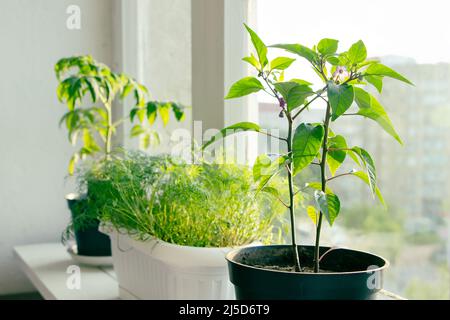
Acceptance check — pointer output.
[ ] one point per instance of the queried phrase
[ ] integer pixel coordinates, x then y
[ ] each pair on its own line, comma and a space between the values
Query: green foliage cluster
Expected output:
201, 205
345, 76
374, 219
420, 289
80, 77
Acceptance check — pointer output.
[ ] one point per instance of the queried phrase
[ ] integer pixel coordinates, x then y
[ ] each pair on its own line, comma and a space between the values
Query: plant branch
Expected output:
273, 136
291, 195
318, 94
120, 121
353, 76
282, 202
341, 175
275, 93
320, 70
109, 128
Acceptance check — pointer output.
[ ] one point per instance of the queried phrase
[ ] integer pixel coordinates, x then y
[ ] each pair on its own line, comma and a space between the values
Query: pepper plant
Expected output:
345, 77
82, 76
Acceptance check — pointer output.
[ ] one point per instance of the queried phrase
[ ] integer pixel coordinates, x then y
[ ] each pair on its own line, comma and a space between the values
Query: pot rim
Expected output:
229, 258
74, 196
108, 228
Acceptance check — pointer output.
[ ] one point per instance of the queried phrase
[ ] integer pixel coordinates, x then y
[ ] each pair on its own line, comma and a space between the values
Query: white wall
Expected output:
34, 151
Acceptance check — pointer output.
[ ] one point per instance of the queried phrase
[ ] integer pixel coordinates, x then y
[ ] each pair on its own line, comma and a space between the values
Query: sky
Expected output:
417, 29
413, 28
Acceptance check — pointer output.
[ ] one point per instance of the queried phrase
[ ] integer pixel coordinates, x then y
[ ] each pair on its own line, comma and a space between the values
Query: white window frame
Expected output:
219, 42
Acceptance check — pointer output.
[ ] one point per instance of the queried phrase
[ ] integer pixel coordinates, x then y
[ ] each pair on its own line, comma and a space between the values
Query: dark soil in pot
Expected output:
263, 272
90, 241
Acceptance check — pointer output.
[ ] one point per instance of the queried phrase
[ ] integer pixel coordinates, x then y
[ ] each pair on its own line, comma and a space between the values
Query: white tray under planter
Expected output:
155, 269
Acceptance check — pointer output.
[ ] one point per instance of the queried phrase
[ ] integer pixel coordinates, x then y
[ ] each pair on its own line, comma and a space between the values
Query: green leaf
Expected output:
335, 158
264, 182
108, 89
235, 128
357, 53
87, 138
272, 191
71, 103
144, 142
73, 161
368, 62
137, 130
142, 88
126, 90
327, 46
91, 89
369, 165
334, 61
298, 49
103, 133
354, 157
261, 166
133, 113
364, 177
317, 186
139, 96
61, 92
293, 93
281, 63
264, 170
340, 97
370, 108
89, 141
376, 81
101, 112
84, 152
312, 213
73, 120
155, 139
152, 108
252, 60
301, 82
64, 119
244, 87
378, 69
164, 112
260, 47
328, 204
264, 166
306, 144
74, 87
141, 114
178, 110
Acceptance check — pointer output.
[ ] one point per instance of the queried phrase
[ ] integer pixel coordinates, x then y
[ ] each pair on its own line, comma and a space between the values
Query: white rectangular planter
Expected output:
156, 269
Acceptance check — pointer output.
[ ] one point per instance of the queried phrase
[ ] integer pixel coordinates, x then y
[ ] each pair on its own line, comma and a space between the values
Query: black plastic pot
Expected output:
90, 241
349, 274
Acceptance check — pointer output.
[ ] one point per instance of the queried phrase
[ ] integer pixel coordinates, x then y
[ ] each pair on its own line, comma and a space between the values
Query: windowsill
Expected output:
46, 267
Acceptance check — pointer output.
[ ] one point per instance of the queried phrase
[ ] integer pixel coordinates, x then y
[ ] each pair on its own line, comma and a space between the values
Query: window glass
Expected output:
412, 37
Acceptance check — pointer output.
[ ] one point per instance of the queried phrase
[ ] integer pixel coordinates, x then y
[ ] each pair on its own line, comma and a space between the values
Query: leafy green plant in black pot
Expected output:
93, 127
312, 272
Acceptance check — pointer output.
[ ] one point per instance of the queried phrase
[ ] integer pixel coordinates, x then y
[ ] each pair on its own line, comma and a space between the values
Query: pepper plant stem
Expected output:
324, 184
109, 129
291, 196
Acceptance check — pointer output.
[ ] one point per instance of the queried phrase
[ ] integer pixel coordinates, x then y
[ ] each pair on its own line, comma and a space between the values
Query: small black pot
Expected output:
90, 241
351, 274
